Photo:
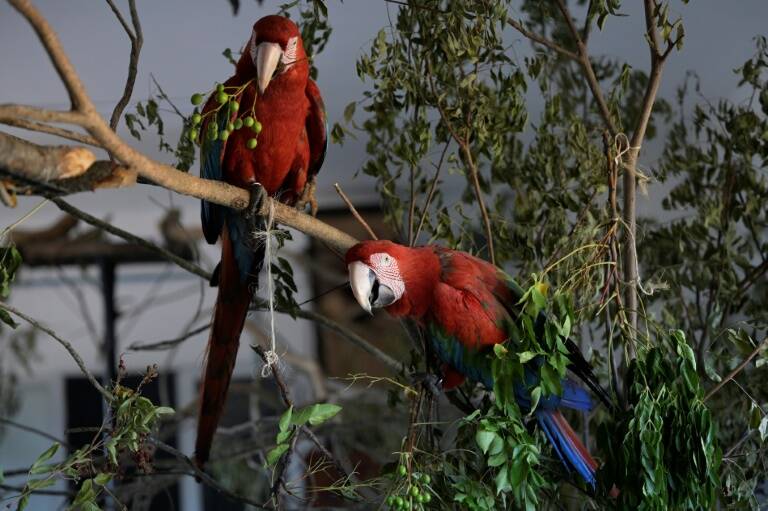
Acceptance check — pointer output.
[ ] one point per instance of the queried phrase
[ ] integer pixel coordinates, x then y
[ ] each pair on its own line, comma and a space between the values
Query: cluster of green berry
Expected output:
228, 102
414, 495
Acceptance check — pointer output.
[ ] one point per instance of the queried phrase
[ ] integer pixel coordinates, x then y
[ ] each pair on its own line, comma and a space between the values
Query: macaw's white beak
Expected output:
267, 57
361, 280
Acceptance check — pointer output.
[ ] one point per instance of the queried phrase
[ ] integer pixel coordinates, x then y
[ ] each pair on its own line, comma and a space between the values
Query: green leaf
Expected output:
315, 414
164, 410
484, 439
274, 454
285, 419
48, 454
102, 478
526, 356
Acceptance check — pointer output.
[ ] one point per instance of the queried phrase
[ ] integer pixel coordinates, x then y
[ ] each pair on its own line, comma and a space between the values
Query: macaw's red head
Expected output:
275, 52
385, 274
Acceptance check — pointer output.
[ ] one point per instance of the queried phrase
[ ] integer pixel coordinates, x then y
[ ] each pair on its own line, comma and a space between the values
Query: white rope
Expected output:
270, 356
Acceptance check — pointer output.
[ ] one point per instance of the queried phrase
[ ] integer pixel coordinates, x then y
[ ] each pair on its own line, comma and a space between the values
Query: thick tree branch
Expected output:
86, 116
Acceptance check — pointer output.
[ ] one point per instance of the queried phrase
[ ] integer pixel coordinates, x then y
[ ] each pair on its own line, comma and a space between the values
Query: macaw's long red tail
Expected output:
228, 319
567, 445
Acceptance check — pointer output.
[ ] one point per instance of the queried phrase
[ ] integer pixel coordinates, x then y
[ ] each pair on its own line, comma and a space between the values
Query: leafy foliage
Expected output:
661, 452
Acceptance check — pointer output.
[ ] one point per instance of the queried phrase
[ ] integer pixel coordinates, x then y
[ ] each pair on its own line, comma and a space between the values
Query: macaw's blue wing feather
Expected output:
215, 217
211, 157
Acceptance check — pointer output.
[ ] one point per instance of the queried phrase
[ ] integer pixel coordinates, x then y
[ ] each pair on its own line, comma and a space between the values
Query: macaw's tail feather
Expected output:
230, 311
567, 445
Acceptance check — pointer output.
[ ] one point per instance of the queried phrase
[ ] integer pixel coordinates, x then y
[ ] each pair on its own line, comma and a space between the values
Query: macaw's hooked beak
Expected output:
368, 291
267, 57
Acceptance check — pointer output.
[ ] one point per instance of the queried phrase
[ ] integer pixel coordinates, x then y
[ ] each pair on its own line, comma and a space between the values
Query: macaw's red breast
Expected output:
281, 159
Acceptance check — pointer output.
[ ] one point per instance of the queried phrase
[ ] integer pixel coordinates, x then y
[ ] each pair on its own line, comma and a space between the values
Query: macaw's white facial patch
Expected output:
388, 272
252, 46
289, 55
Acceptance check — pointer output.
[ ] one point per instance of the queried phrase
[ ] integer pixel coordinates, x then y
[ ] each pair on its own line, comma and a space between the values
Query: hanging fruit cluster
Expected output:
228, 105
414, 492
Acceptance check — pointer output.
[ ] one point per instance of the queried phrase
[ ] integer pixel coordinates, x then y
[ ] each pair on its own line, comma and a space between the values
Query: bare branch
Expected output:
736, 370
67, 345
137, 39
51, 130
431, 193
542, 40
120, 233
166, 176
352, 337
354, 211
205, 478
589, 72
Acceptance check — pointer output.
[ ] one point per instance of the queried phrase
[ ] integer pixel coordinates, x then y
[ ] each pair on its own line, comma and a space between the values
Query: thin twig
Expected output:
167, 254
30, 429
205, 478
137, 40
474, 172
51, 130
354, 211
67, 345
542, 40
431, 193
168, 343
736, 370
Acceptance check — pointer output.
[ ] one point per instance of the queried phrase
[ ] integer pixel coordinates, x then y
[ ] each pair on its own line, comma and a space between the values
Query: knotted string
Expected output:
270, 356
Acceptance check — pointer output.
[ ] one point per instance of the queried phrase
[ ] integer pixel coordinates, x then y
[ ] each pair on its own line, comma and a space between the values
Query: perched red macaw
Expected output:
275, 143
464, 306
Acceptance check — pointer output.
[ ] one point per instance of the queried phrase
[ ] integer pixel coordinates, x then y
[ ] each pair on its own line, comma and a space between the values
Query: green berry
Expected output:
192, 135
220, 87
426, 479
234, 106
257, 126
427, 497
248, 122
399, 502
213, 135
230, 126
421, 498
251, 144
222, 97
224, 134
391, 500
196, 119
238, 124
415, 491
196, 99
402, 471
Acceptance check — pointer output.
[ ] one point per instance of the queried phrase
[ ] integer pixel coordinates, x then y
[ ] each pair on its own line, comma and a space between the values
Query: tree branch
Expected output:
542, 40
86, 116
51, 130
137, 40
67, 345
589, 72
736, 370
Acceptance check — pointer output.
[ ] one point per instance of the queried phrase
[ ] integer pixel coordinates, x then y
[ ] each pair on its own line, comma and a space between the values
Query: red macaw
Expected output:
277, 153
464, 304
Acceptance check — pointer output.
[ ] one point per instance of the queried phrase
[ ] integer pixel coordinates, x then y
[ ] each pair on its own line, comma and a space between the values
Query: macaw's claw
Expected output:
432, 382
258, 195
308, 197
